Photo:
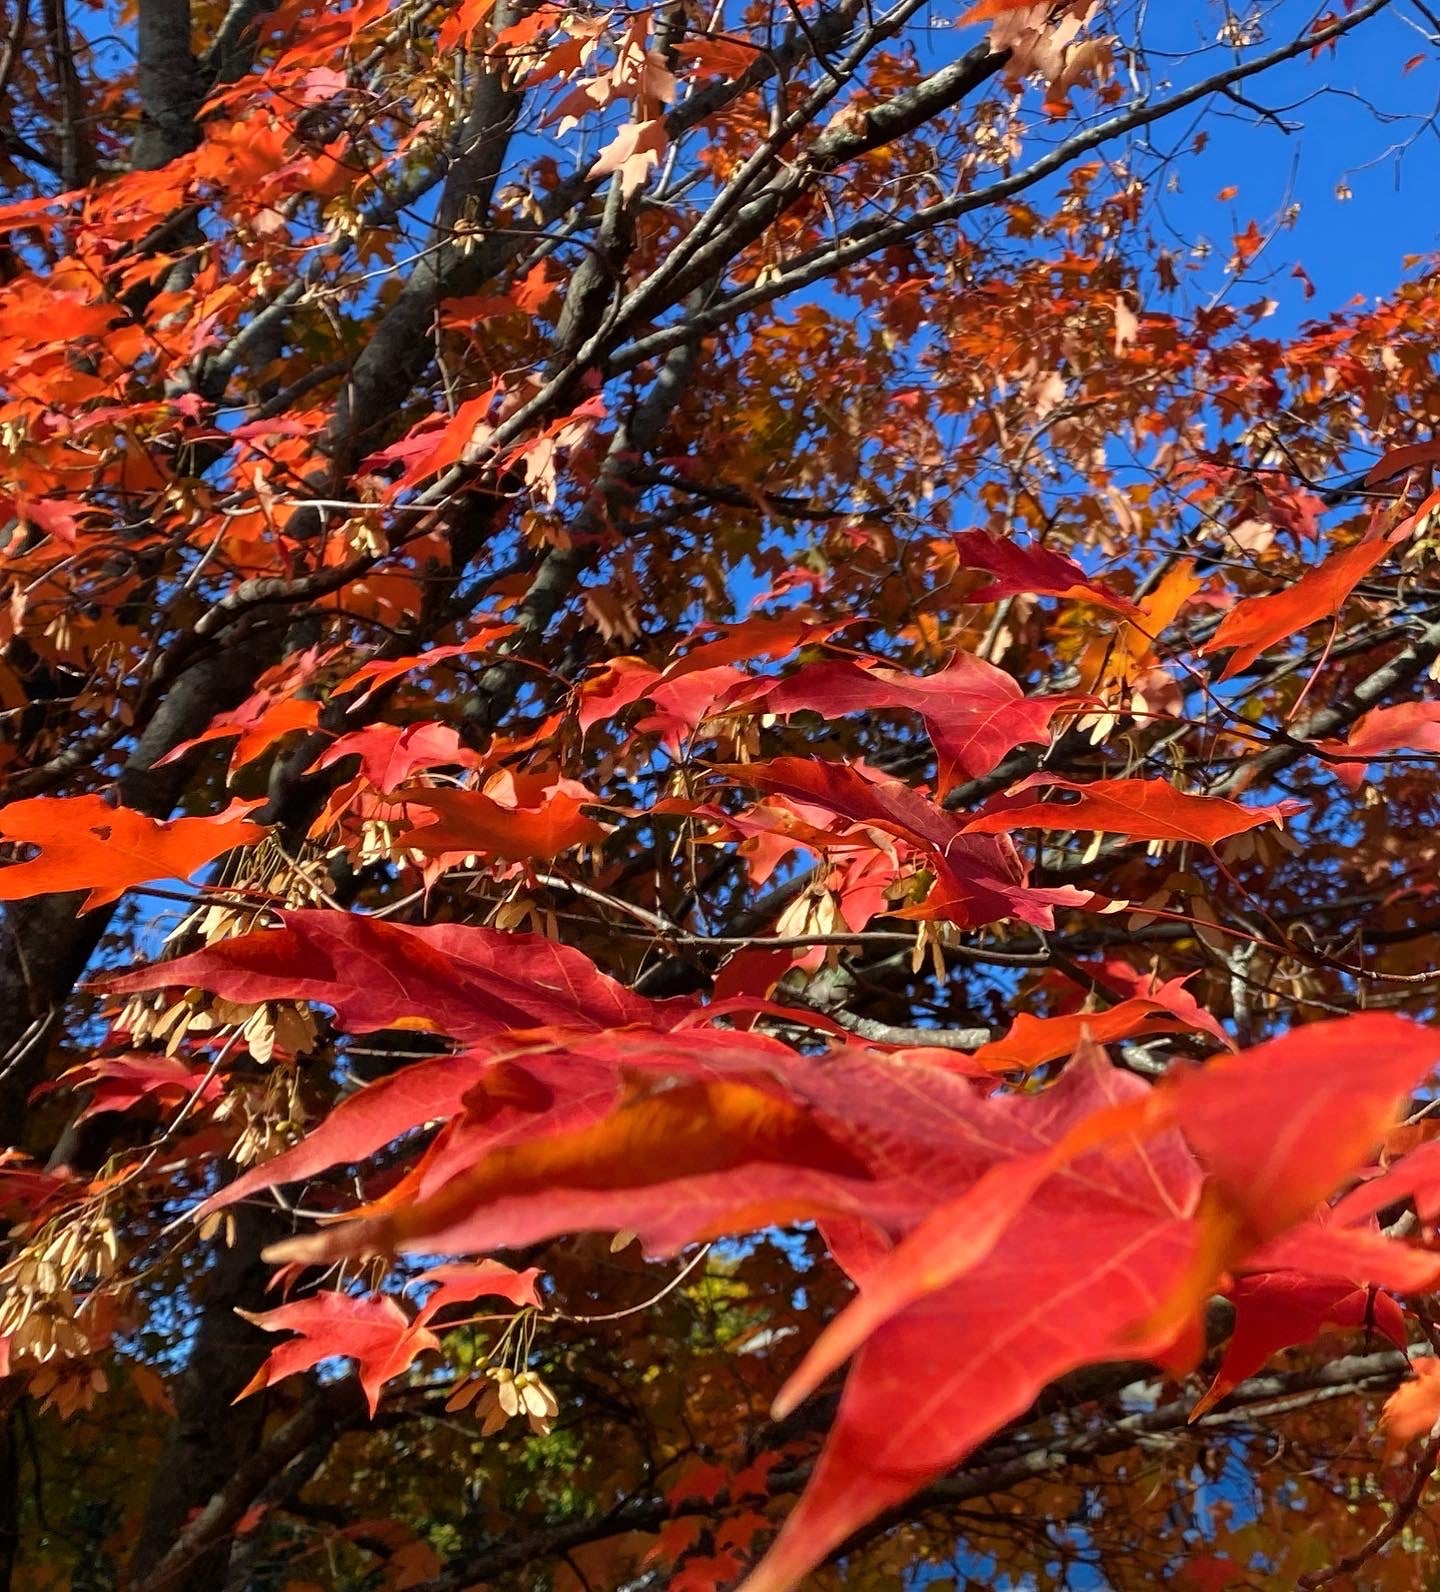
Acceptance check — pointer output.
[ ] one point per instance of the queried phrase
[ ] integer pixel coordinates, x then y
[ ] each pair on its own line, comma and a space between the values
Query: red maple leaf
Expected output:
374, 1332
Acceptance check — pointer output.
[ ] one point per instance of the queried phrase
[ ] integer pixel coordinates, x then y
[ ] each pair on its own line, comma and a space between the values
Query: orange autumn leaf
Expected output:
1032, 1041
257, 726
1124, 657
446, 821
86, 844
1413, 1409
1256, 623
462, 22
990, 10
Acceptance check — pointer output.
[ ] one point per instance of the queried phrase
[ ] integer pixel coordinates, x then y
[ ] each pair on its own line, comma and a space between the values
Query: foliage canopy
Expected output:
718, 805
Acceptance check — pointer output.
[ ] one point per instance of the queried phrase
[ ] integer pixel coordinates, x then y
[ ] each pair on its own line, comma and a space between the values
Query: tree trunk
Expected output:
209, 1439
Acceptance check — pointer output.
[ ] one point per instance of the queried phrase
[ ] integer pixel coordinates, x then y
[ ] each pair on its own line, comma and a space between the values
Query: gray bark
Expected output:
171, 85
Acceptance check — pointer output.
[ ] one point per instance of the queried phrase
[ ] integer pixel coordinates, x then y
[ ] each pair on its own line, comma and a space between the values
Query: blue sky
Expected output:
1361, 119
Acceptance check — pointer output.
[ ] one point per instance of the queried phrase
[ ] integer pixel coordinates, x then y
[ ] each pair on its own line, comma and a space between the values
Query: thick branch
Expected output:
1001, 1471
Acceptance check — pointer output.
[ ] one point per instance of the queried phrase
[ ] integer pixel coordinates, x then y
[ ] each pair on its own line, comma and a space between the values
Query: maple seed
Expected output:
501, 1395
